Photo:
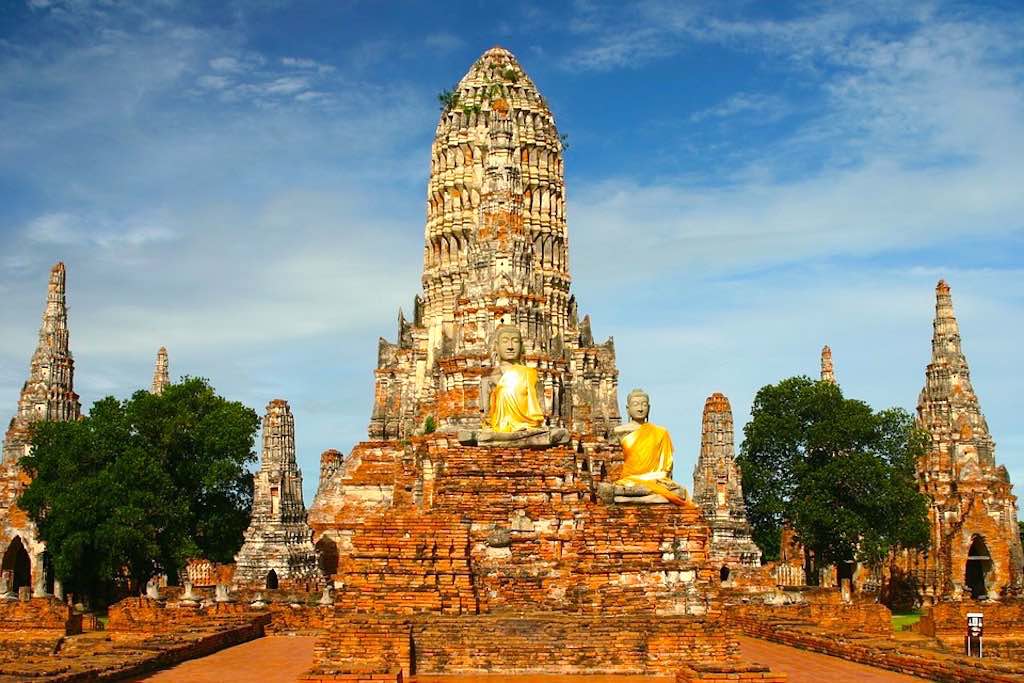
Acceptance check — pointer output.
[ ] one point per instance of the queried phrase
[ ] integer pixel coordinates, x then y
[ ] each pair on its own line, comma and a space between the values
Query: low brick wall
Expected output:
394, 676
303, 620
520, 644
1005, 618
39, 614
852, 644
728, 672
864, 618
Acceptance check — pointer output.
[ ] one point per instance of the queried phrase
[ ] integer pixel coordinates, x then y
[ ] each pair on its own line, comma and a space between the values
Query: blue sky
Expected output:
245, 184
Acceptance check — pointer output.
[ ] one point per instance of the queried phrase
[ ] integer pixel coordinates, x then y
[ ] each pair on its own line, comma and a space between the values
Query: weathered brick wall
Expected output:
435, 526
727, 672
521, 643
864, 618
929, 664
142, 615
950, 618
43, 614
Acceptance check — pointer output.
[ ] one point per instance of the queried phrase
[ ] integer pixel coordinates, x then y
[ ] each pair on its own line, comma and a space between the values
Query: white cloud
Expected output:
768, 107
227, 64
443, 42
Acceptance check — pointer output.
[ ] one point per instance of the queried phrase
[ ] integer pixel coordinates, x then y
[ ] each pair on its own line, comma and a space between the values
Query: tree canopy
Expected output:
837, 472
139, 486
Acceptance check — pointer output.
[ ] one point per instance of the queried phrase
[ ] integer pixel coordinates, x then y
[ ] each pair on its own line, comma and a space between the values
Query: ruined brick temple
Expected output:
452, 557
48, 394
975, 546
278, 548
496, 251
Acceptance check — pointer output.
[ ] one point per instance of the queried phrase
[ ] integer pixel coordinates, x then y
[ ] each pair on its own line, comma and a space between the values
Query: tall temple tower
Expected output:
278, 549
161, 373
976, 547
718, 488
49, 392
496, 252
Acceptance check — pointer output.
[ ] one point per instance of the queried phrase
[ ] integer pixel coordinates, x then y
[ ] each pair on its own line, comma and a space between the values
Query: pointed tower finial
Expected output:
827, 371
162, 374
946, 330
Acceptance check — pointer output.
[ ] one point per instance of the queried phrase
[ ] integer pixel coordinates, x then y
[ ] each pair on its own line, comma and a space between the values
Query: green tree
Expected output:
840, 474
139, 486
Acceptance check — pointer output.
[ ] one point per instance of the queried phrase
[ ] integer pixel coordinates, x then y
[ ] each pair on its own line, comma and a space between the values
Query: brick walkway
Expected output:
274, 659
811, 667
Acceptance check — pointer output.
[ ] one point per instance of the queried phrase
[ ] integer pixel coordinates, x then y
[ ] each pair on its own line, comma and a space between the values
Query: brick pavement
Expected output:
274, 659
811, 667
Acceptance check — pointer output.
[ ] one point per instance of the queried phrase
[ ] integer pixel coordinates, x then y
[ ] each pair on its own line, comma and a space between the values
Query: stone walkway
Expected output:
282, 659
811, 667
274, 659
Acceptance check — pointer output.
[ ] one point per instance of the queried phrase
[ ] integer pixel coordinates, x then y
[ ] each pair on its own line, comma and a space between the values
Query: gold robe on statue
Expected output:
648, 463
514, 402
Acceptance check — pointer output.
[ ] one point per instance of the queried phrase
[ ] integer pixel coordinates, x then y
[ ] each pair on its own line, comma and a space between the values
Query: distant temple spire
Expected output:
718, 489
827, 371
162, 374
278, 548
49, 393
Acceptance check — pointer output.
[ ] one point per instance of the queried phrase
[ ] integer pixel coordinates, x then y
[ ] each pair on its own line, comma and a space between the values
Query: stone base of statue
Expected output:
523, 438
635, 495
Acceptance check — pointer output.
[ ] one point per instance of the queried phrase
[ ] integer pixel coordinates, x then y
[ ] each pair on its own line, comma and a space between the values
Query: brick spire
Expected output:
948, 407
278, 538
49, 393
827, 372
161, 374
718, 489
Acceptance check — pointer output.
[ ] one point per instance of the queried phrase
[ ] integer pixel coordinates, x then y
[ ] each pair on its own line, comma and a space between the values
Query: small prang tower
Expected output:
278, 550
718, 489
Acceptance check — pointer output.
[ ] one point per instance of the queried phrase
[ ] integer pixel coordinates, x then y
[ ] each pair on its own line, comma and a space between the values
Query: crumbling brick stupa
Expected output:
278, 549
975, 546
718, 491
454, 553
48, 394
496, 251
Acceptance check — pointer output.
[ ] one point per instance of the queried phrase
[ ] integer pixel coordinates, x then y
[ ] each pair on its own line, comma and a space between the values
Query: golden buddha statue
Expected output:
648, 454
510, 400
511, 392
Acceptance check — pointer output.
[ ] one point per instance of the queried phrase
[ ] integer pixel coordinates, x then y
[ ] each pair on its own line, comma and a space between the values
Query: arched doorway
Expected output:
271, 580
17, 562
327, 552
845, 570
979, 568
723, 574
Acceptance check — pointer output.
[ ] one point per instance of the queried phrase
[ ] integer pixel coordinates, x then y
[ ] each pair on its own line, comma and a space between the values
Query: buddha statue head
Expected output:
638, 405
508, 341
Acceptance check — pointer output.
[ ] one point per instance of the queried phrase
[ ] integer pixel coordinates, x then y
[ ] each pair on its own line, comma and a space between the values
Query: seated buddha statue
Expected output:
647, 467
510, 400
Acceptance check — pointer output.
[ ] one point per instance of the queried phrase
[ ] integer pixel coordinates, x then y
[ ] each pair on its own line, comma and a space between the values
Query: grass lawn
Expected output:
904, 619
